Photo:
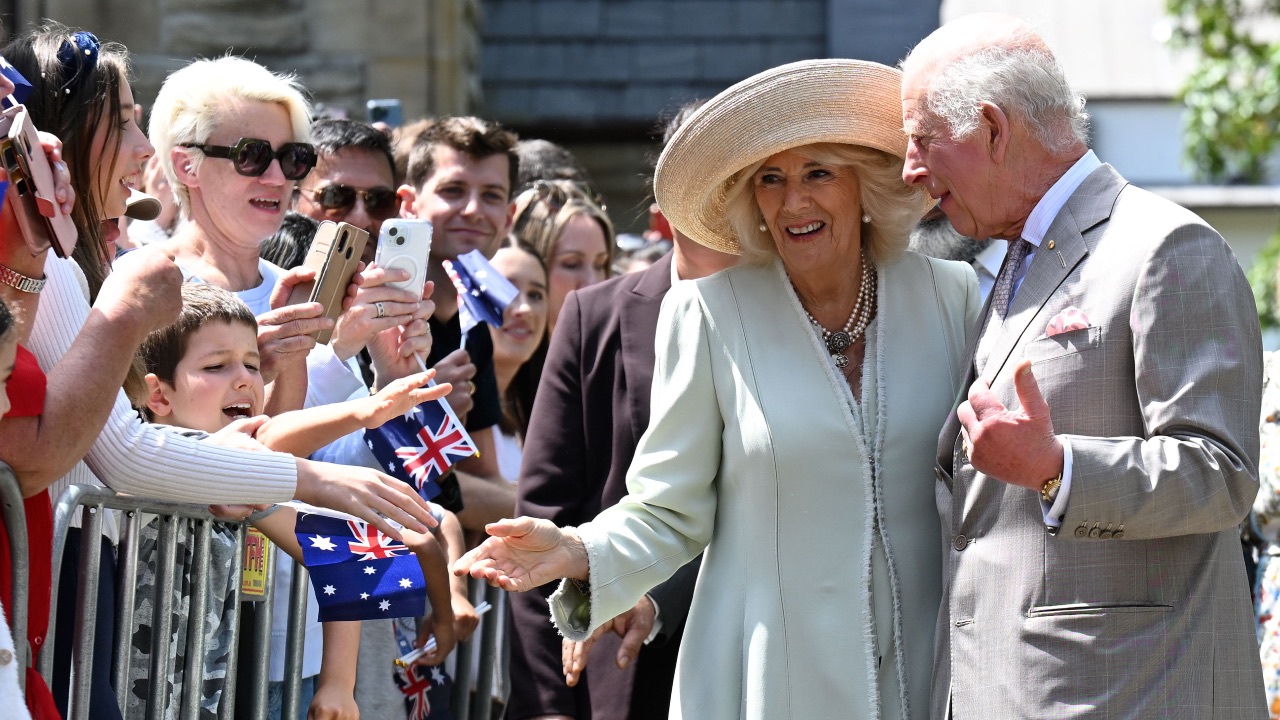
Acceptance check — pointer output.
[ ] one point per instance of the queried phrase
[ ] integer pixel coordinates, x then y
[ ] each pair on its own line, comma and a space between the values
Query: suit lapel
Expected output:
638, 318
1088, 206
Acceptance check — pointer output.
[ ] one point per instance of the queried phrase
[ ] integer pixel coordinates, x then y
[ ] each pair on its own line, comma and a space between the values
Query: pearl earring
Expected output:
866, 218
763, 227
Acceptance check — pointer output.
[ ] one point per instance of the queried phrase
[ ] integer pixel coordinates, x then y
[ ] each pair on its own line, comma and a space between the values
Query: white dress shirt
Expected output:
1038, 222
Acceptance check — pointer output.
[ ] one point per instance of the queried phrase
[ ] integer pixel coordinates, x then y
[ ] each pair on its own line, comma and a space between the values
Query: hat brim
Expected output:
851, 102
141, 206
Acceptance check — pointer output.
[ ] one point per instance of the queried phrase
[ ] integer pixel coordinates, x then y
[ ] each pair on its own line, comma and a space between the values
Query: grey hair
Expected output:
1027, 80
893, 206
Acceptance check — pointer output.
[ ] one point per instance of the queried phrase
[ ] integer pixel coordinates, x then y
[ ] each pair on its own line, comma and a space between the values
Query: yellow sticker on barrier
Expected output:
257, 565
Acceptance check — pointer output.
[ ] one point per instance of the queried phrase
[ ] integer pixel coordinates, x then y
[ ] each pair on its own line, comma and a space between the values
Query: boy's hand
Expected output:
465, 617
401, 396
332, 703
439, 624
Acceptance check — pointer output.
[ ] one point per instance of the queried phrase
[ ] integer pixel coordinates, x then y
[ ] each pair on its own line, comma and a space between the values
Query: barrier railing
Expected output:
176, 525
191, 526
15, 522
467, 705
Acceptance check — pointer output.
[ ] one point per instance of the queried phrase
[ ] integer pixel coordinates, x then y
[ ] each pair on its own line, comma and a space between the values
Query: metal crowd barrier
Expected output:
175, 521
15, 522
193, 523
478, 705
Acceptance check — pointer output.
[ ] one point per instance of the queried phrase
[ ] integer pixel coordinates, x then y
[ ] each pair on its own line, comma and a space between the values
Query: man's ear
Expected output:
994, 125
511, 219
408, 195
157, 398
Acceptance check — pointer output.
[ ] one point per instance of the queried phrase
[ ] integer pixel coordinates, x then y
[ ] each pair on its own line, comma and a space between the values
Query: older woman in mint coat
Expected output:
796, 402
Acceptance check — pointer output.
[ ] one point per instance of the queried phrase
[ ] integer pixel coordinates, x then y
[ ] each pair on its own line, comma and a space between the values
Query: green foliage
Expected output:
1233, 107
1262, 278
1233, 95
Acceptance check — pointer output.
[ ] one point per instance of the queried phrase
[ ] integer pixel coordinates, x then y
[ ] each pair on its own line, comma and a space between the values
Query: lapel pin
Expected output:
1050, 244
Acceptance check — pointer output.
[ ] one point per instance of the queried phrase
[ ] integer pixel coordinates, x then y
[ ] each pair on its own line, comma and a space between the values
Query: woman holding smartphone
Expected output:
233, 140
80, 90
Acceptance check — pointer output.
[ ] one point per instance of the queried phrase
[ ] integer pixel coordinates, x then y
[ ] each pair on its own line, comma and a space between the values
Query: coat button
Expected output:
6, 656
1081, 531
1094, 532
1117, 535
961, 542
1107, 535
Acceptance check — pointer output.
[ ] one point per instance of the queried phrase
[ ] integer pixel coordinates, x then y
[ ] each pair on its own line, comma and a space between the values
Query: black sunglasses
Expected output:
379, 202
251, 157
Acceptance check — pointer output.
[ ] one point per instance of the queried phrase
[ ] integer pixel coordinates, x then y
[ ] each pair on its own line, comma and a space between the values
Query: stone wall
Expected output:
424, 53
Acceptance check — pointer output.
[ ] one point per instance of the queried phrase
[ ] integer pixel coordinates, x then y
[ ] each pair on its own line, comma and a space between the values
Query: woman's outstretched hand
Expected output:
524, 553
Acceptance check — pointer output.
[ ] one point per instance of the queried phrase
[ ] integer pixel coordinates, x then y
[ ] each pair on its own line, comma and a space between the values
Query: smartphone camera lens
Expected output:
399, 241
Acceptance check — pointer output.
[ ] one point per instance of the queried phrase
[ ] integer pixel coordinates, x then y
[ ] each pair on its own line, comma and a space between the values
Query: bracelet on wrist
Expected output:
20, 282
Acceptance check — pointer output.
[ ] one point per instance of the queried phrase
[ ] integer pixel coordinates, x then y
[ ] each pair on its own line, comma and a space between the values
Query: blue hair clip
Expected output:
78, 57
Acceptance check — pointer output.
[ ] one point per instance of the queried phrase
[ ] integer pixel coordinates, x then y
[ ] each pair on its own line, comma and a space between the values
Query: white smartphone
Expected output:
405, 245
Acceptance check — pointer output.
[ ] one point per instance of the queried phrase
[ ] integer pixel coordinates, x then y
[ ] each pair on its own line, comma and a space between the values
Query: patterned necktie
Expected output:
1001, 295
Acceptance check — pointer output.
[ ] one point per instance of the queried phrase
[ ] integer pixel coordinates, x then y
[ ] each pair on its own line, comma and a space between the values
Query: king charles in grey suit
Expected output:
1091, 483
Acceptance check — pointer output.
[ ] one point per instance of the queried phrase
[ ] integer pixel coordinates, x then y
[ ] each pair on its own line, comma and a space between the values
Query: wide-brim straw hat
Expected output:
853, 102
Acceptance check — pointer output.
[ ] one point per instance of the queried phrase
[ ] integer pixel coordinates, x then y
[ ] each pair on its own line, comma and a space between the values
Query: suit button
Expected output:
1117, 535
1107, 535
961, 542
1081, 531
1094, 532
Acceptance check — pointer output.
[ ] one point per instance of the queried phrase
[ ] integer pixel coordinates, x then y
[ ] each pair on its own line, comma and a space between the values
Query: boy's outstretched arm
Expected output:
435, 568
302, 432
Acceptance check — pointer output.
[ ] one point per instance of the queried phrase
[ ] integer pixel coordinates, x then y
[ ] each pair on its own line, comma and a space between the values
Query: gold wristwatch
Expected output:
1049, 492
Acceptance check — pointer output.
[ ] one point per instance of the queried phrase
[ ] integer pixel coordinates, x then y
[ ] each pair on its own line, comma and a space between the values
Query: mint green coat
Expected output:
820, 584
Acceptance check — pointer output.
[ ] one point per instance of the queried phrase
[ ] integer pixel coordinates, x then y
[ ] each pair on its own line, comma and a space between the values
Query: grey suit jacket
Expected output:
1138, 607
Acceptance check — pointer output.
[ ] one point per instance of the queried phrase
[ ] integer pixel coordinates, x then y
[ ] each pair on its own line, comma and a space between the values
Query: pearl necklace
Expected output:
839, 340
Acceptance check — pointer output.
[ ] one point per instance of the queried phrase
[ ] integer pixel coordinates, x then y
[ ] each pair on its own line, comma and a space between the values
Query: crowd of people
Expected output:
950, 424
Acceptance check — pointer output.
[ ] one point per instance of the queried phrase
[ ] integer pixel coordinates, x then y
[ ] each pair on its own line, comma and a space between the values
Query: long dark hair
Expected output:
75, 86
517, 401
71, 93
6, 320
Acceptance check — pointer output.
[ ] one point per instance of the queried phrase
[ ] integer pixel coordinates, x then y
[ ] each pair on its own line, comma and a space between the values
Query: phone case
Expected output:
31, 182
406, 245
334, 255
31, 176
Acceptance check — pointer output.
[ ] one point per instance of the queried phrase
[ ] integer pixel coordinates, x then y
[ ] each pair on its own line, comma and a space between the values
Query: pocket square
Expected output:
1073, 318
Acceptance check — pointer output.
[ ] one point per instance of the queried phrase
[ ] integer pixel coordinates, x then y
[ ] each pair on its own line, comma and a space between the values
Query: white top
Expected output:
11, 697
134, 457
510, 452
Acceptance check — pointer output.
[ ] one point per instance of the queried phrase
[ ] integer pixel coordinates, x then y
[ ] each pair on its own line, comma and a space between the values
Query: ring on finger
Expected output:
382, 309
471, 388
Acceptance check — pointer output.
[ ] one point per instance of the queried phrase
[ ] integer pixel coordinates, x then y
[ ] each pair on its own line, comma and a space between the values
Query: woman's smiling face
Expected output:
118, 155
245, 210
813, 211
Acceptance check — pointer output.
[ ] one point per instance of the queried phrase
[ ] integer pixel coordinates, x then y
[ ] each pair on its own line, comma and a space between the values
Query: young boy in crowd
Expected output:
202, 374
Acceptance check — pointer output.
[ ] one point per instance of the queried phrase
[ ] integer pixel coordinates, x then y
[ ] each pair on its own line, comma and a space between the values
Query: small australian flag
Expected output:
484, 292
358, 573
426, 689
421, 445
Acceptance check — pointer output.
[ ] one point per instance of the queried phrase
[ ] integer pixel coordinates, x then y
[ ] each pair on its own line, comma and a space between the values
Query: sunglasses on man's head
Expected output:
379, 202
251, 157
